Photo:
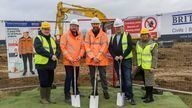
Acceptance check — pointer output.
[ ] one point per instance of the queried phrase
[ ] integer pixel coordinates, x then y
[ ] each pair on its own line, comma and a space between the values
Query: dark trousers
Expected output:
70, 78
102, 74
46, 77
126, 77
29, 57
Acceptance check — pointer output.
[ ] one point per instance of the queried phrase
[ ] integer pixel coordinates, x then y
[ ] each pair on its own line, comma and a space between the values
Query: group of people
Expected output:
95, 46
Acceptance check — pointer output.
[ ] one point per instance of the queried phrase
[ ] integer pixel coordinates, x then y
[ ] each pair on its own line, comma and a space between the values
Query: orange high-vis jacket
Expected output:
96, 47
72, 48
25, 45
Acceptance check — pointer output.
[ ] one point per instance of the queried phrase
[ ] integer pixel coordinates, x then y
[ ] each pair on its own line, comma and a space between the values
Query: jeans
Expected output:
126, 76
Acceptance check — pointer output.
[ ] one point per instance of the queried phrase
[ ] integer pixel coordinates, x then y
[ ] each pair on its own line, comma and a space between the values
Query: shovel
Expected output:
75, 99
94, 100
120, 95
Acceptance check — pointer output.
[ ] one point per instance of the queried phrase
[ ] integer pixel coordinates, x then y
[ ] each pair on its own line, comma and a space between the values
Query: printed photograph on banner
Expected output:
20, 52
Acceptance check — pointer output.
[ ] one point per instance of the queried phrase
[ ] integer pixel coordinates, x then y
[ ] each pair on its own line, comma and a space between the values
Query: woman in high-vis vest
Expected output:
46, 56
146, 50
120, 48
72, 46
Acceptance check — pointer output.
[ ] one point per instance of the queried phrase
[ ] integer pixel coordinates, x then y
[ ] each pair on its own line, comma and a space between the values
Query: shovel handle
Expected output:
75, 92
95, 80
120, 80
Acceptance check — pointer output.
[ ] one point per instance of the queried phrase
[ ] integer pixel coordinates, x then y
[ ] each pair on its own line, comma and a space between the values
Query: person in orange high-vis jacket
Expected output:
96, 46
25, 48
72, 46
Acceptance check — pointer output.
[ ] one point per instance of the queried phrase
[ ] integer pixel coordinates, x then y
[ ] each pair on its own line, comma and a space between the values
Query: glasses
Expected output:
46, 29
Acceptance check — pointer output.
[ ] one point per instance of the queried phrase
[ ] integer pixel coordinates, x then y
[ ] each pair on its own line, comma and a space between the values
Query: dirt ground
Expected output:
174, 69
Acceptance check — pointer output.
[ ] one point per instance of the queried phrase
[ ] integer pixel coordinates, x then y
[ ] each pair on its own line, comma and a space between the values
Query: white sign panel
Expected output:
2, 30
176, 23
14, 32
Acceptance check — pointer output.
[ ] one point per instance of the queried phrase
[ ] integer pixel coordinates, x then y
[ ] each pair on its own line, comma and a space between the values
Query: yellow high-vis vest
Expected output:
144, 56
39, 59
124, 45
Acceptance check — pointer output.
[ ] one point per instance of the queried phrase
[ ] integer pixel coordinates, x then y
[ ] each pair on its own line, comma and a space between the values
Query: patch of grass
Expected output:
187, 99
30, 99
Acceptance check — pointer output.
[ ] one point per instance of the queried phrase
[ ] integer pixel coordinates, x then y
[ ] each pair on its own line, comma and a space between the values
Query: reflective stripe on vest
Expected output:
124, 45
39, 59
144, 57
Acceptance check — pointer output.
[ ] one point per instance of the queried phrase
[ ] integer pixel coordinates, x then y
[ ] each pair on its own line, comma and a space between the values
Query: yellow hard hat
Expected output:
144, 31
45, 25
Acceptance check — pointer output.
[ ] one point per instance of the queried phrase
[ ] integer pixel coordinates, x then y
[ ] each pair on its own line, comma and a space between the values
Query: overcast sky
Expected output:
46, 9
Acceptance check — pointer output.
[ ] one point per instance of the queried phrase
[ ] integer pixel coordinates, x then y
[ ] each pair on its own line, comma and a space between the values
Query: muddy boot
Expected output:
49, 96
43, 93
149, 98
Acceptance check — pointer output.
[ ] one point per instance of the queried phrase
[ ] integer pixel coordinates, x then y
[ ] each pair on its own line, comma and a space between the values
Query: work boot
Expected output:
24, 73
43, 99
67, 98
96, 94
146, 93
106, 95
132, 101
149, 98
49, 96
53, 86
32, 72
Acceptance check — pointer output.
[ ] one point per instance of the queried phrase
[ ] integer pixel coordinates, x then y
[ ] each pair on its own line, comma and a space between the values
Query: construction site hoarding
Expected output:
177, 25
14, 32
134, 25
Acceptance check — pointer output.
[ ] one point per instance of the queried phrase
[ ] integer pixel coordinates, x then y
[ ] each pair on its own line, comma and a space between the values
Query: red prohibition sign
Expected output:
150, 23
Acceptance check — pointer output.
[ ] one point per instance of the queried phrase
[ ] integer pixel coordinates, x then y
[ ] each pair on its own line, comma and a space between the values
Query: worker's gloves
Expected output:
54, 58
120, 58
117, 58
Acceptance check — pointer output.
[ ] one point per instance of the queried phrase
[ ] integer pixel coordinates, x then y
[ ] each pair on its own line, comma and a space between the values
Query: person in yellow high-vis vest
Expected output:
46, 56
146, 52
120, 48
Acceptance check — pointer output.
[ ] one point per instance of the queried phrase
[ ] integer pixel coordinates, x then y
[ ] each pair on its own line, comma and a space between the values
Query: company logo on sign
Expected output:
182, 19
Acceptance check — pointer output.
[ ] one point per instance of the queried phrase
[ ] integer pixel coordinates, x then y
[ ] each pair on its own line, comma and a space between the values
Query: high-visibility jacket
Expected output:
25, 45
72, 48
124, 45
39, 59
96, 47
144, 56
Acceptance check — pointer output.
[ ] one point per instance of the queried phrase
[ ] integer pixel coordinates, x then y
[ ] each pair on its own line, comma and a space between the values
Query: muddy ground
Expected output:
174, 69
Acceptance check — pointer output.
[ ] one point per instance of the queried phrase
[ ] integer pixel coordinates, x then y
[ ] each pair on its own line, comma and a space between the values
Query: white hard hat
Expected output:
74, 21
25, 30
118, 23
95, 20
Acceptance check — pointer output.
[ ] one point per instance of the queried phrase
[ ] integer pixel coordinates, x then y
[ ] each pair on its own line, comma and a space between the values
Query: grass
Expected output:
30, 99
187, 99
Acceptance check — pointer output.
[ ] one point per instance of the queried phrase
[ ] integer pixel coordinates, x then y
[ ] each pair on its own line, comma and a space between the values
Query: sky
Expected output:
46, 9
